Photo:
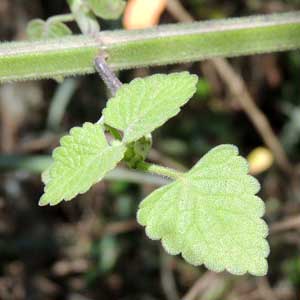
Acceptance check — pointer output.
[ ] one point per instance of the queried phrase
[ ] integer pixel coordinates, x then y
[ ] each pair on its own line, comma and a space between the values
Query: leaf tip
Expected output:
43, 202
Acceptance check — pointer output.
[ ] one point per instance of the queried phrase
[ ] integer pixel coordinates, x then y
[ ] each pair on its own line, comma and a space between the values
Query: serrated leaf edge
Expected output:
46, 175
206, 264
117, 98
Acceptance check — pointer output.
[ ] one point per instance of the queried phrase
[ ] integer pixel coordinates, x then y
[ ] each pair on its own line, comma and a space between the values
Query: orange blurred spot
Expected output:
260, 159
143, 13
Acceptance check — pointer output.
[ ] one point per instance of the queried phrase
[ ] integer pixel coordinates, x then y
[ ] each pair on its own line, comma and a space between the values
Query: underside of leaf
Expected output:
83, 158
211, 215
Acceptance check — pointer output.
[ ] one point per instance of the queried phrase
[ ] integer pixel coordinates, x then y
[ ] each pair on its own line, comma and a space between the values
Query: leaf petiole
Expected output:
159, 170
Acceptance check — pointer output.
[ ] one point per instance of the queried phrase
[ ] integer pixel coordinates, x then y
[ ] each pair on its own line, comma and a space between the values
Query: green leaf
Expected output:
145, 104
40, 30
83, 158
87, 23
85, 19
107, 9
211, 215
138, 151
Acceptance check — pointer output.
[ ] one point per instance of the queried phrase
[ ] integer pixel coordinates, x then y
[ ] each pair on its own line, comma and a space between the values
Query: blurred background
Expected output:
92, 248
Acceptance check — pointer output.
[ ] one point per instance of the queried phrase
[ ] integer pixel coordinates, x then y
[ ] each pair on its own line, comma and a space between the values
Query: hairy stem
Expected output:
108, 76
159, 170
161, 45
112, 82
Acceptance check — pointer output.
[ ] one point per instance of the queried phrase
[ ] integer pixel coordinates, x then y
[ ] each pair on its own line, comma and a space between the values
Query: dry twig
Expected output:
121, 227
287, 224
167, 276
200, 285
265, 290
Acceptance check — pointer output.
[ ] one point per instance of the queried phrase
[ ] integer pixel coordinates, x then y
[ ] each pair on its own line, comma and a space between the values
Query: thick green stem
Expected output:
162, 45
159, 170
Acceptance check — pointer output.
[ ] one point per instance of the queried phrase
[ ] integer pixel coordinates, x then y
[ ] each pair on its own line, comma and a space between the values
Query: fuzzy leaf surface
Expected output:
211, 215
82, 159
147, 103
107, 9
40, 30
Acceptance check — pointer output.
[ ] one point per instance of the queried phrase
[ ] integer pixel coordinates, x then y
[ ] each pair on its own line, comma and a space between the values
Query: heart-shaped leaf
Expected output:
211, 215
145, 104
83, 159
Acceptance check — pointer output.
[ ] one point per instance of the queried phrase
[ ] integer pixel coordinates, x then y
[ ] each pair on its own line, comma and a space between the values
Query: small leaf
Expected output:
211, 215
83, 158
85, 19
145, 104
57, 29
35, 29
40, 30
107, 9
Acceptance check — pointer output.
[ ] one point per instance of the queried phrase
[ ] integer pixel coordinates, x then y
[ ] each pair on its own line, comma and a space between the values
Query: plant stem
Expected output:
159, 170
157, 46
62, 18
108, 76
112, 82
